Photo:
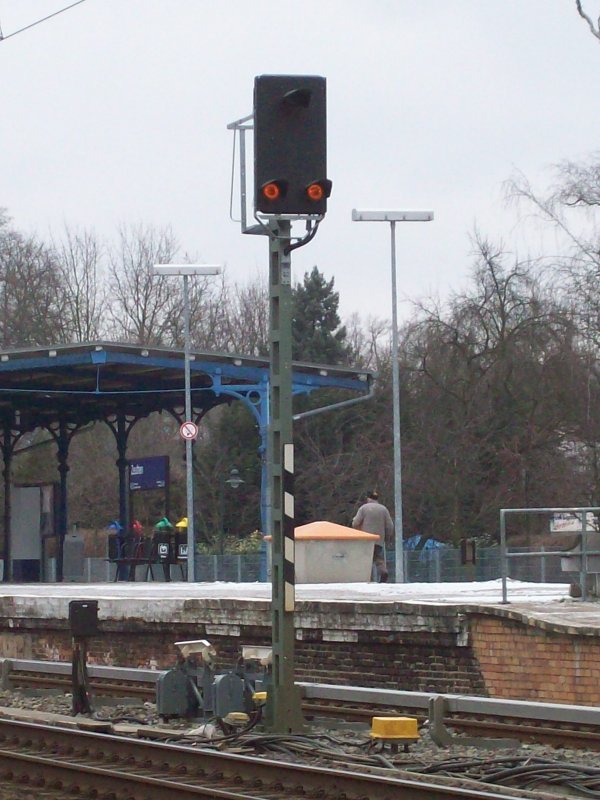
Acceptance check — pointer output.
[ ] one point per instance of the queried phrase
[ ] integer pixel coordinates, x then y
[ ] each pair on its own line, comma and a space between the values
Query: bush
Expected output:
233, 544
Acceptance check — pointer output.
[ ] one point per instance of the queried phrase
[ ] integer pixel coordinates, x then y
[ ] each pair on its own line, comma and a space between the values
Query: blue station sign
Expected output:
148, 473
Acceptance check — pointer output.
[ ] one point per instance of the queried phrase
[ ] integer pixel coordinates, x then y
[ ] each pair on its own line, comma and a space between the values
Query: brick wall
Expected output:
413, 661
524, 662
421, 665
429, 649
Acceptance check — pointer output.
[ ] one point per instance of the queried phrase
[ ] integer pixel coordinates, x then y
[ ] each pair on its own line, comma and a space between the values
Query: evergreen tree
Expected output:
323, 443
317, 333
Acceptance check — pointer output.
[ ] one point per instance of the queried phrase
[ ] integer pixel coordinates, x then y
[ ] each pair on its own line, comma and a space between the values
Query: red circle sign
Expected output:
188, 430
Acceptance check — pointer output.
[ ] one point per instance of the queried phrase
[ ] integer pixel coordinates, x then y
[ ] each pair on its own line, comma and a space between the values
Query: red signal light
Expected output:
273, 190
318, 190
315, 192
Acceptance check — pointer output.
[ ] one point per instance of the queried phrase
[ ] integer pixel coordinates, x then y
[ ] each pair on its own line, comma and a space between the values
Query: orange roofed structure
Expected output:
330, 553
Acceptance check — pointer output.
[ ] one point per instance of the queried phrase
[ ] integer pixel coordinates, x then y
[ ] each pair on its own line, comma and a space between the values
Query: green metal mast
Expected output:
284, 712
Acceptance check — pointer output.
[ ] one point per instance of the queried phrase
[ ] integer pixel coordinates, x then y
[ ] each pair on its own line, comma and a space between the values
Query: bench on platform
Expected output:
144, 551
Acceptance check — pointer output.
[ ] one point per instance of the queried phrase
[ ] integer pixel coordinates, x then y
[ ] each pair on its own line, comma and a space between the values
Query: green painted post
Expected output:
284, 712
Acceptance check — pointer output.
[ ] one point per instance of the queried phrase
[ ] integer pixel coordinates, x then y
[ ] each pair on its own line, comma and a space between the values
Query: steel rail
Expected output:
97, 686
459, 704
8, 665
78, 761
79, 779
461, 711
582, 739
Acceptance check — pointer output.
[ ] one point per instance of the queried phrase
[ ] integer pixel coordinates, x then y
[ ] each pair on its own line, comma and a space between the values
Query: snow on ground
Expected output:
483, 592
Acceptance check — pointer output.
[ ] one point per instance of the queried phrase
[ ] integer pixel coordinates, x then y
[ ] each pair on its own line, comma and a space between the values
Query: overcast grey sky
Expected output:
116, 111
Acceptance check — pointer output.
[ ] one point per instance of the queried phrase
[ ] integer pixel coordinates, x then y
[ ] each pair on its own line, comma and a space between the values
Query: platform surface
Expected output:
549, 602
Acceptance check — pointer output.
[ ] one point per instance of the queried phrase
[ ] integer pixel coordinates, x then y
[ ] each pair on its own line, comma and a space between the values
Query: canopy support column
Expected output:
9, 440
62, 433
62, 455
121, 425
121, 436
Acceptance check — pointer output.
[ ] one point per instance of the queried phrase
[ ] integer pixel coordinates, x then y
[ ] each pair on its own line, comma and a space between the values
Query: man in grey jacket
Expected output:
373, 517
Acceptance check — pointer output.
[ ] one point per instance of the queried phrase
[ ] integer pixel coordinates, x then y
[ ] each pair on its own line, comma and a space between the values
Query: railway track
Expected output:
141, 690
83, 764
556, 734
480, 723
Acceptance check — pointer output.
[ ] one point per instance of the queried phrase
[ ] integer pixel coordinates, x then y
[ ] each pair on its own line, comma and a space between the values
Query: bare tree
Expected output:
31, 292
484, 425
79, 257
210, 310
369, 341
248, 318
142, 306
579, 182
571, 208
148, 309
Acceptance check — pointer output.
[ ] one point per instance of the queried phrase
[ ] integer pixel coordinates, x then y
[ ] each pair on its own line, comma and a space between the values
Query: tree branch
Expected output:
595, 30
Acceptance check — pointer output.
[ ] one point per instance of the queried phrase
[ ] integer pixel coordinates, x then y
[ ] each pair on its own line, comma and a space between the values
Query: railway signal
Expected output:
290, 145
290, 183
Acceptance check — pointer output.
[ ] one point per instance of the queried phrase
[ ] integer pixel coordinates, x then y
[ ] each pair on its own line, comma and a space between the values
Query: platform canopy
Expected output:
64, 387
83, 383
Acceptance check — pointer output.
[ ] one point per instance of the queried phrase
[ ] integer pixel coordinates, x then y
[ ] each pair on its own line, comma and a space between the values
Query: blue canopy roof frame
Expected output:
65, 387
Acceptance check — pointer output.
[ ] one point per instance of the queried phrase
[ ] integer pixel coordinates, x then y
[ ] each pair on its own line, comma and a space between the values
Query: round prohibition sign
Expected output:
188, 431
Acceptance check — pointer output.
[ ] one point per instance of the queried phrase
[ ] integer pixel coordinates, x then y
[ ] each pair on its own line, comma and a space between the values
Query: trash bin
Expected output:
181, 542
73, 559
181, 546
164, 546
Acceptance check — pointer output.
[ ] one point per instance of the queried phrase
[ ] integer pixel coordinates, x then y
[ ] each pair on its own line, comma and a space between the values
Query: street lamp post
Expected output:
376, 215
234, 481
184, 271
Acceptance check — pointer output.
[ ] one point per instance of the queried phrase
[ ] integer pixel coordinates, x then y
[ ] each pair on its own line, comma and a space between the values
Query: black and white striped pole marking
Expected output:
289, 566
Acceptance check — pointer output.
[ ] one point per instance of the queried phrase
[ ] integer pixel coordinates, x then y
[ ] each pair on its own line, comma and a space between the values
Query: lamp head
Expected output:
235, 479
382, 215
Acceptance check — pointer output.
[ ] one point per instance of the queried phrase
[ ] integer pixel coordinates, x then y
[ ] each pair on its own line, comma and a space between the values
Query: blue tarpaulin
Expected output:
417, 542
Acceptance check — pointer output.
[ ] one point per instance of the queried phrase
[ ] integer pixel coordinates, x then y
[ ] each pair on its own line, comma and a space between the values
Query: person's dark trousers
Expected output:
379, 563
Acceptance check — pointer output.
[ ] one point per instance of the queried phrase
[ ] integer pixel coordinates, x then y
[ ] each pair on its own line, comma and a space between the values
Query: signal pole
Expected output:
284, 714
290, 184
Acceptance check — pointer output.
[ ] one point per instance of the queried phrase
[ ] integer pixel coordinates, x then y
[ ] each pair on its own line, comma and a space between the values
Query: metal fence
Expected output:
246, 568
578, 515
444, 566
434, 566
